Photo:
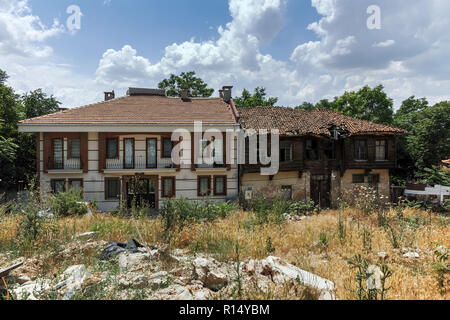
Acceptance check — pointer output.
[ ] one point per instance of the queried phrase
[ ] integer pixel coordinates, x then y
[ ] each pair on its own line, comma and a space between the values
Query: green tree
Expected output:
428, 141
36, 104
366, 104
257, 99
186, 80
19, 166
306, 106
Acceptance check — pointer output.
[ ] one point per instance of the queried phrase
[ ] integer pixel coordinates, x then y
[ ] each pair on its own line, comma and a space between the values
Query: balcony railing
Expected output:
140, 163
69, 164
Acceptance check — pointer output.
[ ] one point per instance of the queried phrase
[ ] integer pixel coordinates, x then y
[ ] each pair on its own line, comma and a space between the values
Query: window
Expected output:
167, 148
358, 178
328, 150
112, 148
74, 151
285, 151
381, 150
286, 192
112, 188
168, 187
58, 153
360, 150
128, 153
204, 186
58, 186
218, 152
220, 185
311, 150
76, 184
151, 153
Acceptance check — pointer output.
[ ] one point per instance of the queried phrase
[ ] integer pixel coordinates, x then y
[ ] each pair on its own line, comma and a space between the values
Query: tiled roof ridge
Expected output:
72, 109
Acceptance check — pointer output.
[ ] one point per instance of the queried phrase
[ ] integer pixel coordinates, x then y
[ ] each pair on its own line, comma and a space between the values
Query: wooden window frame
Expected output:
80, 180
146, 153
69, 148
314, 143
291, 147
107, 195
133, 156
174, 190
355, 143
117, 148
386, 158
163, 150
224, 193
52, 184
199, 178
53, 153
358, 175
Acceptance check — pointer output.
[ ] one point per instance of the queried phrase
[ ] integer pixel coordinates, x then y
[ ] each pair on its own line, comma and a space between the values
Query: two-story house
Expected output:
323, 154
121, 149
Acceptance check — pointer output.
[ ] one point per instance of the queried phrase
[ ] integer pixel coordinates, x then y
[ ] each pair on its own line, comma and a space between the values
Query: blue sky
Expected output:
300, 50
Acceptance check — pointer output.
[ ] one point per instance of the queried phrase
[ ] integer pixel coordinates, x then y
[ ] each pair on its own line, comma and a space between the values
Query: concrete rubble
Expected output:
157, 273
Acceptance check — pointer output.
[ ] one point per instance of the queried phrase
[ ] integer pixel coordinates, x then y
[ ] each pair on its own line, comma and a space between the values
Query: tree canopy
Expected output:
17, 166
186, 80
365, 104
257, 99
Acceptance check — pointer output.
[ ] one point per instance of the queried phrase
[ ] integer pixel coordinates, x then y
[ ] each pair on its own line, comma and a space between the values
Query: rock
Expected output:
175, 292
86, 235
128, 261
139, 282
32, 290
161, 274
411, 255
209, 272
73, 280
22, 279
156, 283
251, 266
202, 294
374, 280
124, 284
281, 272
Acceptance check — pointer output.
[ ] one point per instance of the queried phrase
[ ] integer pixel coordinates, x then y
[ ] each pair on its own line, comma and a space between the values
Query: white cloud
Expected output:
409, 54
384, 44
22, 33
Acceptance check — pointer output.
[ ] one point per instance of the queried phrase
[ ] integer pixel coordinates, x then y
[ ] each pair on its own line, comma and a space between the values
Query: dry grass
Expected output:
298, 242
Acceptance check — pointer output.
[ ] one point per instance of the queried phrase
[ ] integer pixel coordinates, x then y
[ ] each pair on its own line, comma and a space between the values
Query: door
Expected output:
142, 192
321, 190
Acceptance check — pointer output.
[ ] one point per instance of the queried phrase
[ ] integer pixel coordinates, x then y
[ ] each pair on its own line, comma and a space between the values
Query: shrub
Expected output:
178, 212
69, 203
302, 207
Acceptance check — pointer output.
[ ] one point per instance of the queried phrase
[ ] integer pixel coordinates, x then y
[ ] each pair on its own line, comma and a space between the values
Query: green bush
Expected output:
267, 210
302, 207
176, 213
69, 203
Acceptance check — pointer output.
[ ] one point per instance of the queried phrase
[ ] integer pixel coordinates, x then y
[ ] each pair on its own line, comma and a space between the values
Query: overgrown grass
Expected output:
321, 244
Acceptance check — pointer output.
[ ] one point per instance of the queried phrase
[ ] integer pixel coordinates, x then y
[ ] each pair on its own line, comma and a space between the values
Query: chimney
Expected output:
109, 95
185, 94
227, 93
221, 94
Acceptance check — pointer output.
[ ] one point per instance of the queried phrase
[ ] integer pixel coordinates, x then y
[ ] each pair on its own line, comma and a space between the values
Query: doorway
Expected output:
321, 190
141, 192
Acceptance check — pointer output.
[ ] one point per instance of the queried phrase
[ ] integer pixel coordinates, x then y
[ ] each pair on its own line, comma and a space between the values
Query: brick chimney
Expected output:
109, 95
227, 93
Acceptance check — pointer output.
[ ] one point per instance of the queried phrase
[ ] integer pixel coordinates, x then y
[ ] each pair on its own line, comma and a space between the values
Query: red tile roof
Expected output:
304, 122
144, 110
